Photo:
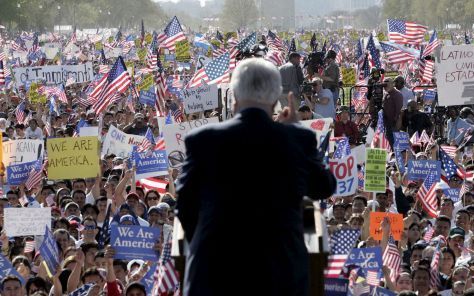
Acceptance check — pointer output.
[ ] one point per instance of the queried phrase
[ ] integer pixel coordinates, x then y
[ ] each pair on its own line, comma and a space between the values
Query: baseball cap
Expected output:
71, 204
457, 231
133, 195
138, 115
125, 218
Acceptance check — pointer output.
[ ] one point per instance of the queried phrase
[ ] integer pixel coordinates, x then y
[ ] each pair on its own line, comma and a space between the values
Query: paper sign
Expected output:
34, 96
6, 269
455, 75
26, 221
54, 74
98, 45
420, 169
366, 258
182, 51
49, 251
348, 76
119, 143
21, 151
336, 287
396, 225
202, 61
151, 164
72, 158
89, 131
148, 38
321, 128
199, 99
345, 171
146, 83
452, 193
134, 242
18, 174
141, 53
401, 141
374, 179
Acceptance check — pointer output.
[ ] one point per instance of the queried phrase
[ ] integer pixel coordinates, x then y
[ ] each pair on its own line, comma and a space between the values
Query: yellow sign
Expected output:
348, 76
182, 51
148, 38
34, 96
130, 68
141, 54
381, 36
283, 35
72, 158
138, 42
374, 180
147, 82
98, 45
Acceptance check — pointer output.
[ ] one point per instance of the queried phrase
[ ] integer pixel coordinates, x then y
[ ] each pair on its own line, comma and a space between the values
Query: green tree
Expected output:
239, 14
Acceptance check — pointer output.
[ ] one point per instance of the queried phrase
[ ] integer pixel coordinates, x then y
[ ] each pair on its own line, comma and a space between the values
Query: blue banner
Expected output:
18, 173
420, 169
401, 141
148, 279
429, 95
170, 57
6, 268
49, 251
400, 161
452, 193
148, 97
335, 287
134, 242
151, 164
366, 258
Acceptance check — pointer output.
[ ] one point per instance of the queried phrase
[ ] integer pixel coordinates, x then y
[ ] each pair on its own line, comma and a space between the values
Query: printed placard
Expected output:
374, 179
134, 242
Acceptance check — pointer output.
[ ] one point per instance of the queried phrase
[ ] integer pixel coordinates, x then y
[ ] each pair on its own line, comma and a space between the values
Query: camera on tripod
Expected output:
315, 62
307, 88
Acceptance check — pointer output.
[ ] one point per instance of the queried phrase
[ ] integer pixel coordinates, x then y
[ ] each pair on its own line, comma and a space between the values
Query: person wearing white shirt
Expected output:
406, 92
33, 131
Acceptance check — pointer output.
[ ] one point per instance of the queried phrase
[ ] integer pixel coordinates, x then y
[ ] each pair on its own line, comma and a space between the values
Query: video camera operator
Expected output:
320, 99
291, 78
330, 75
392, 106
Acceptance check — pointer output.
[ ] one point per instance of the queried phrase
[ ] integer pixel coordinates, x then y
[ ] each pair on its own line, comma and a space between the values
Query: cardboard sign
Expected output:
452, 193
182, 51
53, 75
134, 242
199, 99
401, 141
336, 287
26, 221
420, 169
175, 134
34, 96
151, 164
18, 174
455, 75
21, 151
72, 158
374, 179
345, 171
396, 225
348, 76
321, 128
49, 251
119, 143
366, 258
98, 45
6, 269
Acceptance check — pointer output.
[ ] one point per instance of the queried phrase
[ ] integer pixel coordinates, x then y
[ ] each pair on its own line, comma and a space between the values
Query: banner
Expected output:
54, 74
366, 258
420, 169
21, 151
132, 242
452, 193
26, 221
396, 225
72, 158
336, 287
429, 96
119, 143
174, 135
455, 75
146, 83
401, 141
151, 164
321, 128
182, 51
348, 76
18, 173
49, 251
374, 179
200, 98
345, 171
6, 269
148, 97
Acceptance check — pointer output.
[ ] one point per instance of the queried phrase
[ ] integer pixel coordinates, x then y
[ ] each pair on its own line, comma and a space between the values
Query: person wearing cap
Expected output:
72, 209
344, 127
132, 201
456, 240
392, 106
291, 78
321, 100
138, 127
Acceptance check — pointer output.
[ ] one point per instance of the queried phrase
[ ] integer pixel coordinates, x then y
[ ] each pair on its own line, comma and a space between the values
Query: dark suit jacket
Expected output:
240, 204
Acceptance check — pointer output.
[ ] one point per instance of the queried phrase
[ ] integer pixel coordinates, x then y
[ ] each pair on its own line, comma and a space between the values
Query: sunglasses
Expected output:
89, 227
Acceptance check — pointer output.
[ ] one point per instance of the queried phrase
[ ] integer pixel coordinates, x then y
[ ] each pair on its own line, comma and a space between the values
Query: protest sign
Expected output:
119, 143
452, 193
348, 76
366, 258
72, 158
148, 38
401, 141
321, 128
6, 269
113, 52
182, 51
198, 99
359, 153
148, 97
130, 68
98, 45
148, 279
141, 53
132, 242
420, 169
379, 291
169, 58
455, 75
21, 151
51, 50
345, 171
374, 179
87, 131
26, 221
396, 225
336, 287
202, 61
146, 83
49, 251
174, 135
429, 96
400, 161
18, 173
34, 96
54, 74
151, 164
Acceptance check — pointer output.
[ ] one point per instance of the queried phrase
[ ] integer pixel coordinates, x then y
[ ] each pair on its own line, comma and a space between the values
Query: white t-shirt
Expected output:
407, 95
36, 134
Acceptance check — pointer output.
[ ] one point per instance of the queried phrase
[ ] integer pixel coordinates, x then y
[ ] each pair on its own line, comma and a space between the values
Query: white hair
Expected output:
256, 80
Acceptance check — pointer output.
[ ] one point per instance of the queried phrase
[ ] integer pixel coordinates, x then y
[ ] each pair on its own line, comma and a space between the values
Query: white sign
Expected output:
26, 221
175, 134
455, 75
119, 143
54, 74
359, 153
321, 128
199, 99
22, 151
345, 171
113, 52
202, 61
86, 131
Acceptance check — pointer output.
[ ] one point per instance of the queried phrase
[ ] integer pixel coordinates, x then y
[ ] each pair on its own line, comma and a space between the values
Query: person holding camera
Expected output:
291, 78
320, 99
330, 75
392, 106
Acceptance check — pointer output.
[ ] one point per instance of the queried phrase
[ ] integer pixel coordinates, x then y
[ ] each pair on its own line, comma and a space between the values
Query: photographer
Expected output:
291, 78
330, 75
392, 106
320, 99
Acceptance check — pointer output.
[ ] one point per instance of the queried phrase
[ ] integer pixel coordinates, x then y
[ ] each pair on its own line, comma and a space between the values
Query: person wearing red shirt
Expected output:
344, 127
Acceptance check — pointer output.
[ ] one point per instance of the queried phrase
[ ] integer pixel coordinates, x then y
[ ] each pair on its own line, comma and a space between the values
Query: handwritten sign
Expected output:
202, 61
345, 171
321, 128
72, 158
396, 225
21, 151
348, 76
420, 169
151, 164
54, 74
455, 75
132, 242
18, 174
26, 221
182, 51
34, 96
199, 99
374, 179
119, 143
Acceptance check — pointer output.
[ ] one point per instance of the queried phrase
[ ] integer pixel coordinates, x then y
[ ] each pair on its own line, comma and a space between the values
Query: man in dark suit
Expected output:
240, 194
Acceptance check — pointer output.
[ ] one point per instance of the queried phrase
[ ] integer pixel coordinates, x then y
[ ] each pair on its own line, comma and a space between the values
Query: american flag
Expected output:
153, 184
374, 54
175, 111
403, 32
415, 139
391, 258
2, 74
338, 51
313, 43
424, 138
160, 144
434, 269
426, 70
292, 46
432, 45
323, 49
360, 178
275, 57
429, 234
231, 42
29, 246
274, 42
173, 33
73, 36
427, 195
151, 58
219, 36
360, 55
118, 81
466, 38
217, 51
243, 45
364, 72
396, 55
379, 140
449, 168
166, 277
148, 142
373, 278
36, 174
342, 242
161, 87
82, 290
464, 188
104, 231
57, 91
343, 148
214, 72
20, 112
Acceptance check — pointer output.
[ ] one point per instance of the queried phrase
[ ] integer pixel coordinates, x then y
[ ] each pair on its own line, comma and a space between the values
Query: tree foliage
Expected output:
239, 14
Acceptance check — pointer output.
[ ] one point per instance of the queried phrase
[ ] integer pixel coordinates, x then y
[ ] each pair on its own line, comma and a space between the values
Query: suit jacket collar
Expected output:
252, 114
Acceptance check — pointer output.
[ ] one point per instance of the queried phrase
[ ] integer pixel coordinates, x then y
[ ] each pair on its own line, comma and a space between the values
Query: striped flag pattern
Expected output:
391, 258
429, 234
427, 196
379, 140
2, 75
396, 55
147, 143
166, 277
432, 45
212, 73
173, 33
342, 242
434, 269
153, 184
36, 174
403, 32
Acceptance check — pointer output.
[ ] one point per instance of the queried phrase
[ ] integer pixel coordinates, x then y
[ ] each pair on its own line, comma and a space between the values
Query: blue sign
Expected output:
400, 161
148, 97
49, 251
149, 279
335, 287
420, 169
18, 173
151, 164
452, 193
383, 292
401, 141
134, 242
170, 57
6, 268
429, 95
366, 258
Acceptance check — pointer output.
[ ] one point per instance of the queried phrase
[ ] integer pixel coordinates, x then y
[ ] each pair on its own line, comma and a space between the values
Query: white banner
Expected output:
51, 49
455, 75
199, 99
174, 135
321, 128
345, 171
54, 74
22, 151
26, 221
119, 143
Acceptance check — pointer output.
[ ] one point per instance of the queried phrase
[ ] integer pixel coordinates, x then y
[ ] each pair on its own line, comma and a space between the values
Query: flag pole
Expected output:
373, 201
